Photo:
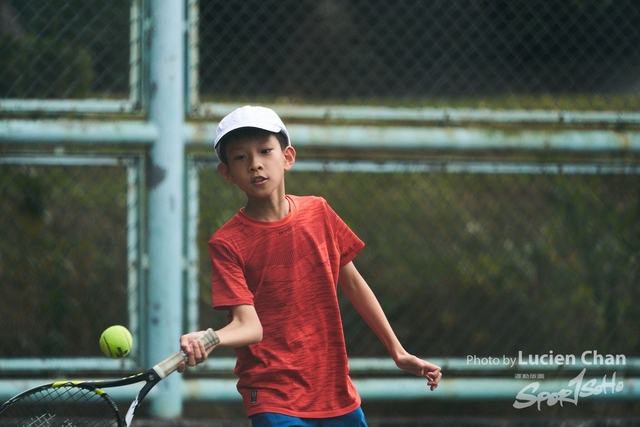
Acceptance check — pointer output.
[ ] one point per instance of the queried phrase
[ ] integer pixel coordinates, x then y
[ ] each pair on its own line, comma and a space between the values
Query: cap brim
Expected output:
264, 126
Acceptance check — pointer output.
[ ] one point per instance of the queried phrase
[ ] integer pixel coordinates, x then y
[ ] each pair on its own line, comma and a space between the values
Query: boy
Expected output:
276, 267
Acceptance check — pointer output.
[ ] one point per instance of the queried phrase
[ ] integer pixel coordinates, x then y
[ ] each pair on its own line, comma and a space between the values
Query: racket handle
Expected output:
170, 364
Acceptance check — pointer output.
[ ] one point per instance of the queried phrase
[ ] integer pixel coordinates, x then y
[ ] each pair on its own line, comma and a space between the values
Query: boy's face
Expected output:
257, 165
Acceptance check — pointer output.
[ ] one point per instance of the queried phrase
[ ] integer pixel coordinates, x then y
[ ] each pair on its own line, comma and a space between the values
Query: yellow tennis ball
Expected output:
116, 342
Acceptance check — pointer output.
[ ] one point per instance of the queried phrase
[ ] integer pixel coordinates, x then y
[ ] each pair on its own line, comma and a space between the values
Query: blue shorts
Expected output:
268, 419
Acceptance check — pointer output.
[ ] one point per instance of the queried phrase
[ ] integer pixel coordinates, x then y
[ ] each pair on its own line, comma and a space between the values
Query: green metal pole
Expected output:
165, 184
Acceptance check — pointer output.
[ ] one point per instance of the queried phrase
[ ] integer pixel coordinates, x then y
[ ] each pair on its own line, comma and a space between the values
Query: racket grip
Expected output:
171, 363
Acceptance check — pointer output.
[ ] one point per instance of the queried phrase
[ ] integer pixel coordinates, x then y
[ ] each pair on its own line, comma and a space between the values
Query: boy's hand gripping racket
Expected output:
84, 403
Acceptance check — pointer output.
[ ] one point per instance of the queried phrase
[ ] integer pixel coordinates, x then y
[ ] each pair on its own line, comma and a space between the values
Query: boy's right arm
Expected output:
244, 329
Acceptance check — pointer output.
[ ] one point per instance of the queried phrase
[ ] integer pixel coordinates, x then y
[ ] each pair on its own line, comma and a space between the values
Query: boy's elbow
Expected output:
254, 333
258, 334
246, 324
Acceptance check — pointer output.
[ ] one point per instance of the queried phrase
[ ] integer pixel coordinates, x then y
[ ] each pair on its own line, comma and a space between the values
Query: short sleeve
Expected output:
348, 243
228, 284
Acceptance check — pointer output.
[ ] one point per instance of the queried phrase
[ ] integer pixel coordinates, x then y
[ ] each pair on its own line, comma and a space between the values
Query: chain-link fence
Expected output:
542, 54
478, 258
466, 257
468, 252
570, 54
65, 257
65, 49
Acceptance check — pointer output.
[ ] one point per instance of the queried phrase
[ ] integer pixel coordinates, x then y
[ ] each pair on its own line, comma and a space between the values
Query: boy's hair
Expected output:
248, 133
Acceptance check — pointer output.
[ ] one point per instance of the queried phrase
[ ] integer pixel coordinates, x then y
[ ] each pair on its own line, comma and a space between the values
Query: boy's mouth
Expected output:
258, 180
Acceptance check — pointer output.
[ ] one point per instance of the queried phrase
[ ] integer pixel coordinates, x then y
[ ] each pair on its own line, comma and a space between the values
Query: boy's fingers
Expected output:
199, 350
433, 378
196, 353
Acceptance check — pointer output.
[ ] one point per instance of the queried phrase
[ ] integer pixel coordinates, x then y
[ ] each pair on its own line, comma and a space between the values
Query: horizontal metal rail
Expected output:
64, 160
476, 167
57, 106
76, 131
359, 366
342, 112
436, 115
436, 138
387, 389
352, 136
376, 379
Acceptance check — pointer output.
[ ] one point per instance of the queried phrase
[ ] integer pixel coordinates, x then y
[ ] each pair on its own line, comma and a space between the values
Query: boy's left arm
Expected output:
365, 302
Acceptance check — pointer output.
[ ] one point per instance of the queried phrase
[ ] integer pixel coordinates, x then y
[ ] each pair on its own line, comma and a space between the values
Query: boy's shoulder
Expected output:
305, 201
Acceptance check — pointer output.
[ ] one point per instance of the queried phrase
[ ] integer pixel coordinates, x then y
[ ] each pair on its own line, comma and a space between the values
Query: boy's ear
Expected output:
289, 157
225, 173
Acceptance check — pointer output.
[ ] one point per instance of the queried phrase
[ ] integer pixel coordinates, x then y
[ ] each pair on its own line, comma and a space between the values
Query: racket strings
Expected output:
61, 406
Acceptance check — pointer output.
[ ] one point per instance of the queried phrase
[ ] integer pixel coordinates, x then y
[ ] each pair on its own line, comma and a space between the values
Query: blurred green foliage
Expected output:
478, 263
44, 68
64, 49
503, 54
462, 263
63, 258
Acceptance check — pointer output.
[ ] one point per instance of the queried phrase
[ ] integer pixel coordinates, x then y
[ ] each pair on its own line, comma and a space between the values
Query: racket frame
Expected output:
151, 377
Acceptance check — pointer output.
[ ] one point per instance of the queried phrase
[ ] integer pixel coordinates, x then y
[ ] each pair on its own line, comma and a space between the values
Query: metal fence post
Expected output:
165, 183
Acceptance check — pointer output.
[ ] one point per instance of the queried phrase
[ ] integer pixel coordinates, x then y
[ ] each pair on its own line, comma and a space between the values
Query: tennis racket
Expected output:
85, 403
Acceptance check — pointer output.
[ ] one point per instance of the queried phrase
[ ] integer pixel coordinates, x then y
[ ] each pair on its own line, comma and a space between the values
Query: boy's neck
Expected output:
267, 209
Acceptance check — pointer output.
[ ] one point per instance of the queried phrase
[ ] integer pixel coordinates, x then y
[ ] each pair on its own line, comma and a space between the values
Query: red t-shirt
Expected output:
288, 270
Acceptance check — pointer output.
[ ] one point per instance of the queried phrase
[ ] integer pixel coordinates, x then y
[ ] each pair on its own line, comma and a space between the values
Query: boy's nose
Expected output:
255, 163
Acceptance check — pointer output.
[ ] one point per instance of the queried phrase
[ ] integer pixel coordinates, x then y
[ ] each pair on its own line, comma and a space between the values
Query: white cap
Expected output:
250, 117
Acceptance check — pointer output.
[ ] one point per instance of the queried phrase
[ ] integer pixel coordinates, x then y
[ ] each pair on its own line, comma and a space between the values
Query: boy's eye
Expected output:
239, 157
267, 150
